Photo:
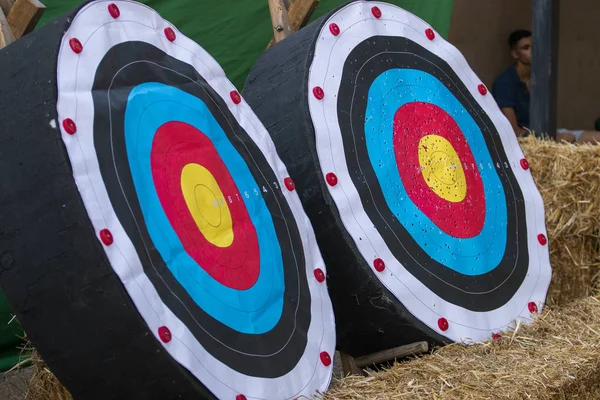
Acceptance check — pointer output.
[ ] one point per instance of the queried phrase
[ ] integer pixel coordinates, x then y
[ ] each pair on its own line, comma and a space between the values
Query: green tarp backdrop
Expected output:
235, 33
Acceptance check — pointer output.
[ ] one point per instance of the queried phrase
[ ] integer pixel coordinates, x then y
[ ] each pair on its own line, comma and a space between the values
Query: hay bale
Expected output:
557, 356
568, 177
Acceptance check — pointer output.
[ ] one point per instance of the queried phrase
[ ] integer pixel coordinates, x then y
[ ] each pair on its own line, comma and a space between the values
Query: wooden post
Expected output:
280, 20
5, 6
544, 66
299, 13
24, 16
6, 34
355, 366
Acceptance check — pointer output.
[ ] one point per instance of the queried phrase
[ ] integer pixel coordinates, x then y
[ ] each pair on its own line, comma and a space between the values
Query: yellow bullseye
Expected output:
205, 201
441, 168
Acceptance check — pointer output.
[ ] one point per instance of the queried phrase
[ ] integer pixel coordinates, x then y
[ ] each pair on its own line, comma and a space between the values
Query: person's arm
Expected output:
510, 114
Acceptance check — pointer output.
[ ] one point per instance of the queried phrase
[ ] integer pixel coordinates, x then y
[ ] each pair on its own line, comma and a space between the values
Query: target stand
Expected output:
153, 245
423, 205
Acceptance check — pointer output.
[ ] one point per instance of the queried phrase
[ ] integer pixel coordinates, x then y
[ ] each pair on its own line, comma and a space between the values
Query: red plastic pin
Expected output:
334, 29
379, 265
524, 164
235, 97
496, 336
76, 45
106, 237
376, 12
319, 275
532, 307
114, 10
331, 179
240, 397
165, 334
170, 34
430, 34
69, 126
443, 324
482, 89
318, 92
542, 239
325, 358
289, 184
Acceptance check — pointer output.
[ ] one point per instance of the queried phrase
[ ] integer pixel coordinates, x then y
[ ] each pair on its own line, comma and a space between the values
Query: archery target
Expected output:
194, 209
429, 179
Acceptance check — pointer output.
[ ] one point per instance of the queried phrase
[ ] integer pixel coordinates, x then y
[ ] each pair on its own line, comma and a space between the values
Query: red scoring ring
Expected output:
413, 121
114, 11
175, 145
334, 29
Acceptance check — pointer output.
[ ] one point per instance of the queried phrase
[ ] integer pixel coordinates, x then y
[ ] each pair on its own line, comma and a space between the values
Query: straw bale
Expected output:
556, 356
568, 177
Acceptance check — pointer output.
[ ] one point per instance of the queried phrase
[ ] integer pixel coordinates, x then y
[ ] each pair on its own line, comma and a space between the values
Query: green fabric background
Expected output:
235, 33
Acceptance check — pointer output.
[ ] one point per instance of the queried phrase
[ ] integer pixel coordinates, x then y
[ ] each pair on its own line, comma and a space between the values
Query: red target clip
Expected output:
114, 10
443, 324
76, 45
325, 358
170, 34
533, 308
334, 29
430, 34
376, 12
165, 334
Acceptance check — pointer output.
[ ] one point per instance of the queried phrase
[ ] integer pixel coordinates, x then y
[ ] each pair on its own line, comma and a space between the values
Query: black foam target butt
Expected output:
368, 316
56, 276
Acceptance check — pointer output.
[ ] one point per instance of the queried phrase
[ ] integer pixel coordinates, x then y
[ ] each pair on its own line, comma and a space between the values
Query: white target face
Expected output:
193, 207
426, 173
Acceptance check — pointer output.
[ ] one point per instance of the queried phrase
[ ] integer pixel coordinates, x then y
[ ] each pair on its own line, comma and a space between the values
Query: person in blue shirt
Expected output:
511, 92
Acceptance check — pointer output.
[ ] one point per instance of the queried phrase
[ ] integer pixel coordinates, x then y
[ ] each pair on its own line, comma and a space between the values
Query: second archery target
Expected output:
173, 236
423, 203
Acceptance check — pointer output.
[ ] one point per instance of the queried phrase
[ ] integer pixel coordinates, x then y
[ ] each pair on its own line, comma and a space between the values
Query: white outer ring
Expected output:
357, 23
75, 75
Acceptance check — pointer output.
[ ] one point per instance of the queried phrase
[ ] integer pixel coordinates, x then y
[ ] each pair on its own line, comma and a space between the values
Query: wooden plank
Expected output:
299, 13
5, 6
392, 354
349, 366
6, 34
288, 4
24, 16
280, 20
544, 66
